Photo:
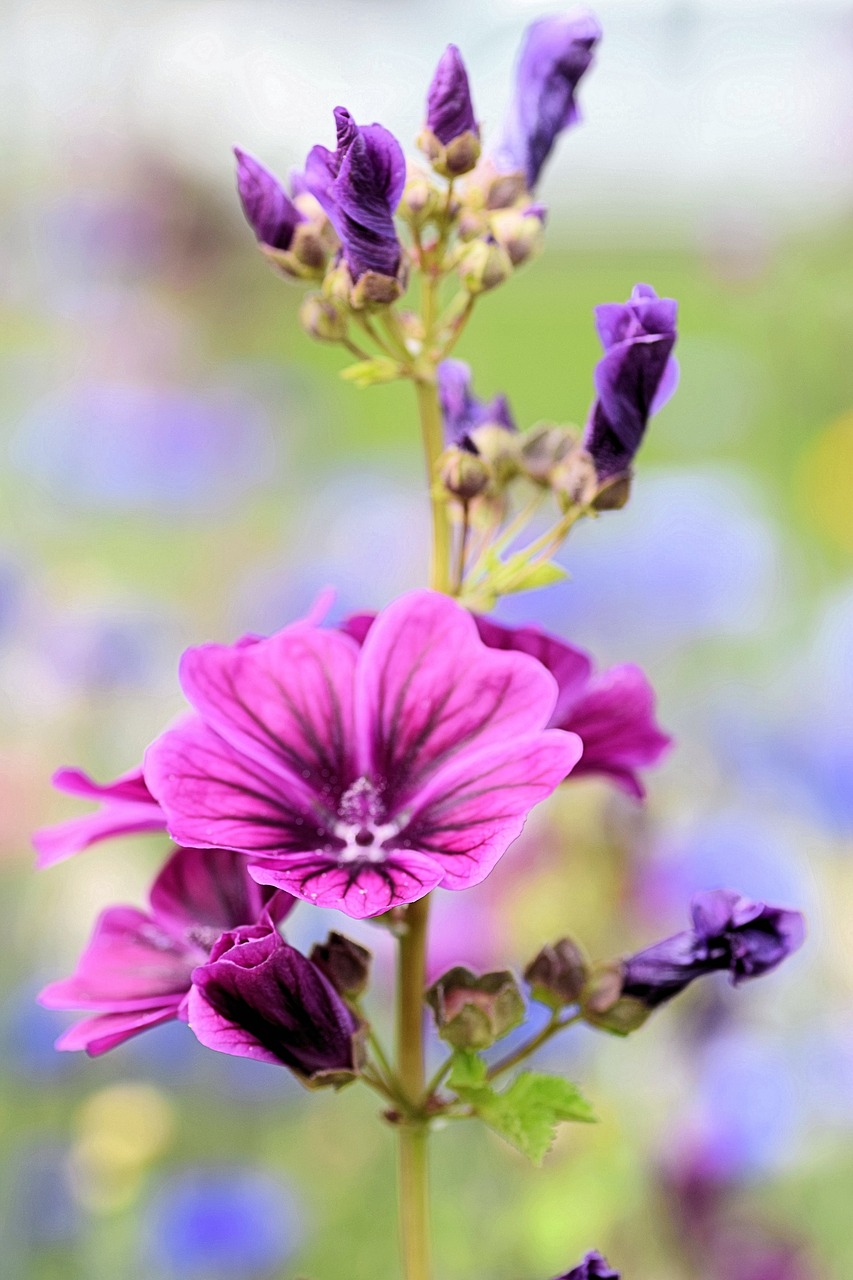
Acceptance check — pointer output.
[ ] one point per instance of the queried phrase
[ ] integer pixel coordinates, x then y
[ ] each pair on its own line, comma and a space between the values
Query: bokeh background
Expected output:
181, 464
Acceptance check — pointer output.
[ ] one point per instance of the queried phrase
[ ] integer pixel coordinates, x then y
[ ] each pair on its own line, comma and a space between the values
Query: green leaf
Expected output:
518, 574
528, 1112
368, 373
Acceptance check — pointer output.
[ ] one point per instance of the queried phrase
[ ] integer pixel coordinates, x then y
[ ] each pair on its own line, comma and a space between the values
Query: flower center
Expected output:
360, 823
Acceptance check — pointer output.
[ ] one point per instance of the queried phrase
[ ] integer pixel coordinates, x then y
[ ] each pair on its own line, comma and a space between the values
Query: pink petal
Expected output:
358, 888
428, 687
285, 702
209, 890
615, 717
128, 807
469, 813
216, 797
129, 964
100, 1034
216, 1032
570, 667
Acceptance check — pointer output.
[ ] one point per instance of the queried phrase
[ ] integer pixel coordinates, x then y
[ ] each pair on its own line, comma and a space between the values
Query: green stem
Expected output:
413, 1187
524, 1051
433, 439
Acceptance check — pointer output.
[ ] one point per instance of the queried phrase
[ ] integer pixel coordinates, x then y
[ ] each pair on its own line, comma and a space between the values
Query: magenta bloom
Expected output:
730, 933
363, 777
136, 971
127, 806
634, 378
359, 185
258, 997
593, 1267
612, 711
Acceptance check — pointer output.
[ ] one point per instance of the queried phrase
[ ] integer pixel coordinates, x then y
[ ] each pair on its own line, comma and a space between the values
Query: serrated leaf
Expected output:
368, 373
527, 1113
468, 1073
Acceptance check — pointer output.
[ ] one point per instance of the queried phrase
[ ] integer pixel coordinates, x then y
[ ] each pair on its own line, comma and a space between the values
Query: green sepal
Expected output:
370, 373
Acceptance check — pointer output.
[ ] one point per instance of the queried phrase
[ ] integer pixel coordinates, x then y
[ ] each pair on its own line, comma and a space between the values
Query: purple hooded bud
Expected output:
269, 210
359, 186
554, 55
450, 111
635, 377
593, 1267
258, 997
747, 939
344, 962
462, 412
557, 974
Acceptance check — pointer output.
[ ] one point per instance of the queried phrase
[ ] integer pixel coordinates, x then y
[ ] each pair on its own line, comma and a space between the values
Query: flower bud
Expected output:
457, 157
574, 480
344, 963
542, 448
603, 1005
323, 318
557, 974
464, 474
503, 189
498, 448
473, 1012
484, 265
419, 201
615, 494
521, 233
375, 290
451, 136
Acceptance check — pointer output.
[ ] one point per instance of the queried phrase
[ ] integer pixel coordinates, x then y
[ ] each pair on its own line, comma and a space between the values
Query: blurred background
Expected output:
181, 464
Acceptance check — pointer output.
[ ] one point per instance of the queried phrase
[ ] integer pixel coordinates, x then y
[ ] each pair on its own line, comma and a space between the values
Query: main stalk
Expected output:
413, 1167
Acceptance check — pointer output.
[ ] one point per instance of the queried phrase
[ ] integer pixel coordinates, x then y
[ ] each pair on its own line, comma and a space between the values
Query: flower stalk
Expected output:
413, 1131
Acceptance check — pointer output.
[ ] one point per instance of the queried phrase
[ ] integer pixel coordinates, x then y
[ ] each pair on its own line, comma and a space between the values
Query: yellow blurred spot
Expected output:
825, 482
120, 1130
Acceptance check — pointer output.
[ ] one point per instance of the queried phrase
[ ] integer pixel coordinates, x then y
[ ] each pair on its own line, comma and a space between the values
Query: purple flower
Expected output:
363, 777
269, 210
635, 377
554, 55
450, 111
748, 939
359, 185
137, 969
462, 411
126, 806
258, 997
593, 1267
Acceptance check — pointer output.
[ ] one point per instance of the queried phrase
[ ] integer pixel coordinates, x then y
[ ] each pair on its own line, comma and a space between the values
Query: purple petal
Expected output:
107, 1030
130, 963
128, 807
201, 893
466, 817
570, 667
262, 999
285, 702
450, 111
593, 1267
427, 687
216, 797
360, 889
270, 212
461, 411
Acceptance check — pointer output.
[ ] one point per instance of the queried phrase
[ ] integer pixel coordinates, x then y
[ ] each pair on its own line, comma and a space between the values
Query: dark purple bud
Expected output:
473, 1012
344, 962
555, 54
747, 939
593, 1267
269, 211
260, 998
359, 185
464, 474
462, 412
635, 377
450, 111
557, 975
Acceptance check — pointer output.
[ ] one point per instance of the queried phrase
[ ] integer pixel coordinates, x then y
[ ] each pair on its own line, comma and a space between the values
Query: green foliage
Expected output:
527, 1112
371, 373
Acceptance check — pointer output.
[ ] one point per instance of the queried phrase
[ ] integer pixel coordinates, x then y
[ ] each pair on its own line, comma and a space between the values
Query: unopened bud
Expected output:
419, 200
323, 318
603, 1005
484, 265
543, 448
498, 449
464, 474
344, 963
459, 156
574, 479
375, 290
310, 249
473, 1012
557, 975
615, 494
504, 189
522, 234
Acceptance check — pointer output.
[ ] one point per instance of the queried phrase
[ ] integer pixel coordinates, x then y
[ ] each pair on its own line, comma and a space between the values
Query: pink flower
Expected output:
126, 806
363, 777
136, 971
612, 711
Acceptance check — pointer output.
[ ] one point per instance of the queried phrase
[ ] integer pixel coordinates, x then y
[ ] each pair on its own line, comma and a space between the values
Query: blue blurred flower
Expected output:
28, 1037
123, 445
222, 1223
43, 1211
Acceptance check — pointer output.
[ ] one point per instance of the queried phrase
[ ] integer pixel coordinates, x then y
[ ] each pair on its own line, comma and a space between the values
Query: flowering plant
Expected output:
363, 766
